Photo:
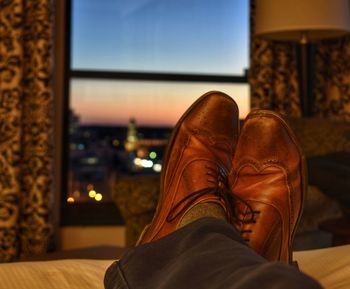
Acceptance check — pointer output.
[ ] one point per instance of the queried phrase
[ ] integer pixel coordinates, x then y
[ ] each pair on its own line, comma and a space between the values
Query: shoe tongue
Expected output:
198, 174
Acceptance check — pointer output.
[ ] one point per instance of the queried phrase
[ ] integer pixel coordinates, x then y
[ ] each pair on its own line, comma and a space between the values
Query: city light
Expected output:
146, 163
152, 155
76, 194
92, 194
157, 168
143, 163
81, 147
137, 162
92, 160
70, 200
88, 183
141, 153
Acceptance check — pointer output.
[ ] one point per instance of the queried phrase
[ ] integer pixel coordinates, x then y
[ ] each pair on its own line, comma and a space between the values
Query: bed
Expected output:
330, 266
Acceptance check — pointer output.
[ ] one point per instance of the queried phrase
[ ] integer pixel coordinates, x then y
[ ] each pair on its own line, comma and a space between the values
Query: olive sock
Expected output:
203, 210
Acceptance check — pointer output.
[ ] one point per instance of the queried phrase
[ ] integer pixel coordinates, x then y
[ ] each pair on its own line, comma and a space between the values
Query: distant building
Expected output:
131, 142
74, 122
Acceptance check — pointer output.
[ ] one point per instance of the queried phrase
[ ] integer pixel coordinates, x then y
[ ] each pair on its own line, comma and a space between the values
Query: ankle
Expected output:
203, 210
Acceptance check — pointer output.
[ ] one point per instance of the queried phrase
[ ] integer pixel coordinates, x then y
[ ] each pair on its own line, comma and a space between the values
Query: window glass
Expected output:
151, 103
119, 128
182, 36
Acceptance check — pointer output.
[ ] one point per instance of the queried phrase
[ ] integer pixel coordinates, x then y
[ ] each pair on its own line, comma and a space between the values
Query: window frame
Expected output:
106, 213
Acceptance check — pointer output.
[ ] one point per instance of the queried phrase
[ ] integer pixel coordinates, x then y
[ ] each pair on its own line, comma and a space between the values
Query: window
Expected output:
133, 69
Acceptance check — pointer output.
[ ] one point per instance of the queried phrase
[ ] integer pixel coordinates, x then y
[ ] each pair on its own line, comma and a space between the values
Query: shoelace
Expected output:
219, 178
252, 220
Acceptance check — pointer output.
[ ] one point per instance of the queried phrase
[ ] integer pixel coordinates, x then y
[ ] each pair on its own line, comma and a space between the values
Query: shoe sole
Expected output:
303, 168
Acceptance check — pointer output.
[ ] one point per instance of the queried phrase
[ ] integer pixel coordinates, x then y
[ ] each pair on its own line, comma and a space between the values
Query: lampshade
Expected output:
290, 19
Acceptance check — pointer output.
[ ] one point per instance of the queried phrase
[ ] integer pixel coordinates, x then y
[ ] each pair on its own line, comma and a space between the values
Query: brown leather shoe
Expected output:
196, 163
268, 175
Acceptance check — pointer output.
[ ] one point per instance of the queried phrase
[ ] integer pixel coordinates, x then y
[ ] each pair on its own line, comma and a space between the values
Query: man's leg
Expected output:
208, 253
196, 164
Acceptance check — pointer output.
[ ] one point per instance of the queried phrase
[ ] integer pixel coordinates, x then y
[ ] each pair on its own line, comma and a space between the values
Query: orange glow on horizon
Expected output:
150, 103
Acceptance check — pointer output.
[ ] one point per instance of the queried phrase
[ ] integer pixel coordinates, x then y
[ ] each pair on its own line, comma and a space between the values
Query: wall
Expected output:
88, 236
58, 84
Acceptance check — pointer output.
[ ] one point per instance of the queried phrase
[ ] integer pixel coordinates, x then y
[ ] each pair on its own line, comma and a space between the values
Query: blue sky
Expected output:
176, 36
193, 36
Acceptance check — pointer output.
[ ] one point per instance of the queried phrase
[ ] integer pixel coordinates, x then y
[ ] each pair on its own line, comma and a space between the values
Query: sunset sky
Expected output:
182, 36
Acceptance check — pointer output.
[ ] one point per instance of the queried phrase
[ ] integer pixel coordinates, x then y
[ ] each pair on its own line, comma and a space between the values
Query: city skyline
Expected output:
162, 103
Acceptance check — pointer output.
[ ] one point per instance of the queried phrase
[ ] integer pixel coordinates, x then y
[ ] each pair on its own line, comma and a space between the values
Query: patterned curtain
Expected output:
273, 74
332, 83
25, 127
274, 77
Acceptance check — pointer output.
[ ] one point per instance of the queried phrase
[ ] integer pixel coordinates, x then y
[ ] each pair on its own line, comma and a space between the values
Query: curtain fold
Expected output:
273, 73
332, 79
26, 98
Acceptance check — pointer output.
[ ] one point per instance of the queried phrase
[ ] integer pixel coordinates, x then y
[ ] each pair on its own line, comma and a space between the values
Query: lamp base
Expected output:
306, 68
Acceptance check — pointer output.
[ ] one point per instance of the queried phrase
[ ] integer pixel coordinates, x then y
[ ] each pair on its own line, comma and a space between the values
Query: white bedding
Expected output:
60, 274
329, 266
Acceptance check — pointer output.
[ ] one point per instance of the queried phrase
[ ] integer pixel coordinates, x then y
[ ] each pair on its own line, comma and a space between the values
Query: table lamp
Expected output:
302, 21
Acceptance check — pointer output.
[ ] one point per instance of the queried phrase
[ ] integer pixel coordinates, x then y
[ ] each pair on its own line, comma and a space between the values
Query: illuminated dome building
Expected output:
131, 142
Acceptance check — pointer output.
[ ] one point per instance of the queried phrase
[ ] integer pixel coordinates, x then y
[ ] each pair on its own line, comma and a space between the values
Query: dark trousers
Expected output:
207, 253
